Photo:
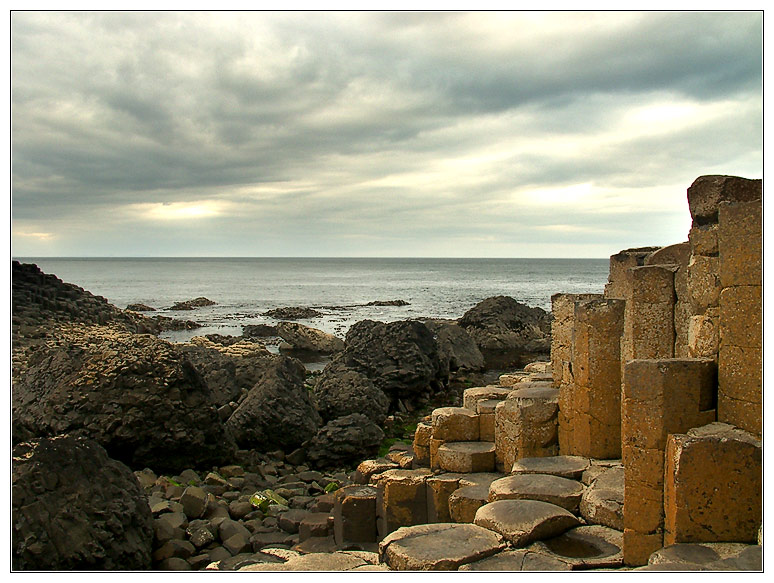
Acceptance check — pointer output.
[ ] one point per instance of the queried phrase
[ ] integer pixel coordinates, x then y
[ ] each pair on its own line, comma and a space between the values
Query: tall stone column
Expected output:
590, 425
740, 388
660, 397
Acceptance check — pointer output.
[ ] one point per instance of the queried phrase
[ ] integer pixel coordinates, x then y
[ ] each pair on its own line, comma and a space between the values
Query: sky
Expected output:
442, 134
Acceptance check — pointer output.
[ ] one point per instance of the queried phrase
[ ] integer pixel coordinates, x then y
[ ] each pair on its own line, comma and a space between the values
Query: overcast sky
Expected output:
374, 134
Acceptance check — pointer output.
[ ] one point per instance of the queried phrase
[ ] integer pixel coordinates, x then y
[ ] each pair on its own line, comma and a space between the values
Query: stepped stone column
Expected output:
421, 445
713, 489
649, 328
590, 416
659, 397
740, 388
439, 488
401, 499
526, 425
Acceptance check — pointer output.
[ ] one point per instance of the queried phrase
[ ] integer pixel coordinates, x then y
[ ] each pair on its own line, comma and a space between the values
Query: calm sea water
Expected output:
244, 288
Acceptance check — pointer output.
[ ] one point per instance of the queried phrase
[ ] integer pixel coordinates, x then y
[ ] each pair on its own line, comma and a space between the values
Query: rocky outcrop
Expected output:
344, 441
259, 331
508, 333
74, 508
136, 395
300, 339
140, 308
200, 302
293, 313
227, 369
341, 391
458, 351
277, 412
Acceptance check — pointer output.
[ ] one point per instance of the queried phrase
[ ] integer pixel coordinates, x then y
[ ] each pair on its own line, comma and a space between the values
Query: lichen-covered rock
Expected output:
277, 412
134, 394
74, 508
341, 391
344, 441
507, 332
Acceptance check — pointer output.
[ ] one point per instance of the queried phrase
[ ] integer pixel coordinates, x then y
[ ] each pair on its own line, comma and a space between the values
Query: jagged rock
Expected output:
306, 340
133, 394
560, 491
456, 348
525, 521
292, 313
74, 508
277, 412
343, 441
437, 547
602, 501
192, 304
341, 391
507, 332
388, 303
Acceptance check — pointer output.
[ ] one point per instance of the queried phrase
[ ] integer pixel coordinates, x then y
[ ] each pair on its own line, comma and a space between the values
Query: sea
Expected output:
339, 288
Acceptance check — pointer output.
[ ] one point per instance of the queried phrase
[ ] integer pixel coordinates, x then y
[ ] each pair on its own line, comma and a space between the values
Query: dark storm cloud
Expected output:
350, 124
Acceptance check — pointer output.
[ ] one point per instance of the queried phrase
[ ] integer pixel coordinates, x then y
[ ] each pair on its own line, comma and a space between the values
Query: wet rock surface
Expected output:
200, 302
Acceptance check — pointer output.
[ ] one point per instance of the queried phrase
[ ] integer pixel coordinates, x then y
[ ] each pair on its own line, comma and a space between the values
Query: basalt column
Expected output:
590, 420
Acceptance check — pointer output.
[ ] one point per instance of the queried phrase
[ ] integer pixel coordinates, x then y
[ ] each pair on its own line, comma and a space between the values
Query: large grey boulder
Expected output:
344, 441
508, 333
437, 547
74, 508
134, 394
277, 412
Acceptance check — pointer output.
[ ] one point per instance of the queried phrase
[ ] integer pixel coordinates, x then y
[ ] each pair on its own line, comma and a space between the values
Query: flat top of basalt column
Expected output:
525, 521
479, 478
585, 547
560, 491
564, 466
470, 447
488, 405
493, 390
450, 411
518, 560
438, 547
541, 391
478, 492
337, 561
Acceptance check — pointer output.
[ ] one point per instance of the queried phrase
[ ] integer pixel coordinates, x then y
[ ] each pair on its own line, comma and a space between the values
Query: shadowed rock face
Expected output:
277, 412
133, 394
344, 441
507, 332
74, 508
342, 391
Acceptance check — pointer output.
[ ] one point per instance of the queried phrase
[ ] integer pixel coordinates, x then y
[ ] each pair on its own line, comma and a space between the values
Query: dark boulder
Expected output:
341, 391
134, 394
278, 412
74, 508
259, 331
227, 368
508, 333
140, 308
400, 358
457, 350
344, 441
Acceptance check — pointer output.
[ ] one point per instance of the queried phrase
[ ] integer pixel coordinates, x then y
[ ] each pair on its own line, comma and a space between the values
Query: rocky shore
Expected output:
622, 431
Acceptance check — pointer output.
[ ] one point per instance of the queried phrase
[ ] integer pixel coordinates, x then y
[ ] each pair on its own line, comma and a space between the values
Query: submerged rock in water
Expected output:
507, 332
293, 313
200, 302
75, 509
